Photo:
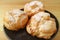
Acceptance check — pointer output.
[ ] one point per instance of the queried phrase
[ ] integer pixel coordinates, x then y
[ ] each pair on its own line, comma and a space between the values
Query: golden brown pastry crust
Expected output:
15, 19
33, 8
41, 25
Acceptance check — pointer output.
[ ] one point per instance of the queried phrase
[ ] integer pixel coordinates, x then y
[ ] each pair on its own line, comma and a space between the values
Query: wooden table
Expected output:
6, 5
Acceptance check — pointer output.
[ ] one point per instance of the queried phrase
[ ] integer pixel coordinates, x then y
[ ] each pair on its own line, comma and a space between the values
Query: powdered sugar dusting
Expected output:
39, 15
14, 15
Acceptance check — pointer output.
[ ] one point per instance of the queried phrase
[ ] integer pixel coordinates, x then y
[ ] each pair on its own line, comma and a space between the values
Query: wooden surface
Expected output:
6, 5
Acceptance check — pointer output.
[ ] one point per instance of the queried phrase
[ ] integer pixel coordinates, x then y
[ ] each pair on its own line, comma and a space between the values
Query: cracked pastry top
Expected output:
41, 25
15, 19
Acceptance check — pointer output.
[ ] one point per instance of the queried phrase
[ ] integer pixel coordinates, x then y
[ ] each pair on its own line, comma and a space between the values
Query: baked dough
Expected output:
41, 25
33, 7
15, 19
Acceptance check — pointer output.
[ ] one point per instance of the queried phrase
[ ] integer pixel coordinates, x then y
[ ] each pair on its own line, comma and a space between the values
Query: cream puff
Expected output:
15, 19
33, 7
41, 25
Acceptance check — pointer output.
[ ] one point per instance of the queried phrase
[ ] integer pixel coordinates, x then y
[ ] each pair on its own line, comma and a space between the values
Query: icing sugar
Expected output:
14, 14
39, 15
